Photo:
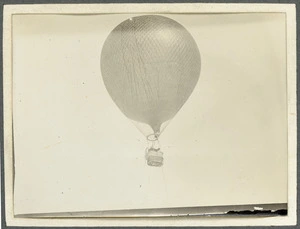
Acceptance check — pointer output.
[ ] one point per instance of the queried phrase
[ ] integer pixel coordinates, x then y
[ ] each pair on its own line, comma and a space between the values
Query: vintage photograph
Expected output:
149, 114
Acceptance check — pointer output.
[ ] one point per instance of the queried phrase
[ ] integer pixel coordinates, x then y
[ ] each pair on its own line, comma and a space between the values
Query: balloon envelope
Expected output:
150, 65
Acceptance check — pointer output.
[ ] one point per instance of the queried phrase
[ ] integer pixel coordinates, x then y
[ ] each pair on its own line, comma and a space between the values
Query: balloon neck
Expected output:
154, 155
156, 129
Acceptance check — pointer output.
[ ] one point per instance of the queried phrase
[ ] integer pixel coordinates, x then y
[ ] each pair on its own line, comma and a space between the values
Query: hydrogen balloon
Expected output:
150, 65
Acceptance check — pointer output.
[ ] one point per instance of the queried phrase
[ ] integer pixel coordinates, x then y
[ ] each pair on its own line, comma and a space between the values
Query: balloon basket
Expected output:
154, 157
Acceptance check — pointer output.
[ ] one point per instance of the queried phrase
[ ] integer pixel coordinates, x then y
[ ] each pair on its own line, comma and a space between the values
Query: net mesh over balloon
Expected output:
150, 65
